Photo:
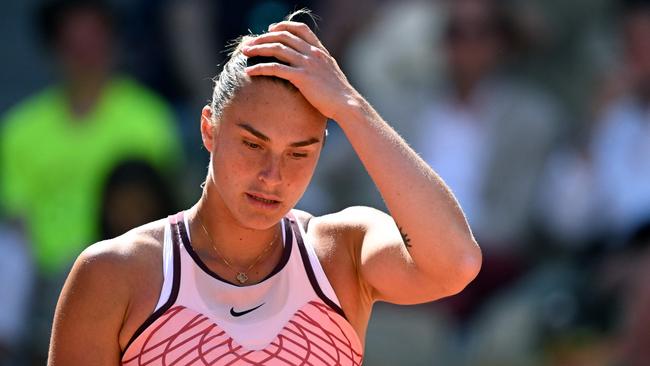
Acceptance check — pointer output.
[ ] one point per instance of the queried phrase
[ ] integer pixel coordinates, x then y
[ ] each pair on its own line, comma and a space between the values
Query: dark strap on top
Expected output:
309, 270
184, 240
175, 221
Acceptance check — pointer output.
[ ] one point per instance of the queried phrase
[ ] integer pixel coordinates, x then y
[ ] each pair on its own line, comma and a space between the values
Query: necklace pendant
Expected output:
241, 277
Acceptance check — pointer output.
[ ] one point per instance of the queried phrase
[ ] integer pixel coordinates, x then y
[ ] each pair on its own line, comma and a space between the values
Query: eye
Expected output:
298, 155
251, 145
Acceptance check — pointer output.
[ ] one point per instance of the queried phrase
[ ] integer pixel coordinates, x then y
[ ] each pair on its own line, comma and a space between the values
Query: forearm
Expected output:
439, 237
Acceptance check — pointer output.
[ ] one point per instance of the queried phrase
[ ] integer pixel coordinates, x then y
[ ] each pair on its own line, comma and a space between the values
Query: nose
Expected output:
271, 171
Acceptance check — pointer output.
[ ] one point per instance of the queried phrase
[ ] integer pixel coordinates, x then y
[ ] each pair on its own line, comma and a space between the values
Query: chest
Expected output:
255, 323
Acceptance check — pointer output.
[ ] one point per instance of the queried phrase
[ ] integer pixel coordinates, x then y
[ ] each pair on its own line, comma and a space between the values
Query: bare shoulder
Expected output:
127, 253
342, 230
332, 238
105, 287
112, 269
349, 220
130, 265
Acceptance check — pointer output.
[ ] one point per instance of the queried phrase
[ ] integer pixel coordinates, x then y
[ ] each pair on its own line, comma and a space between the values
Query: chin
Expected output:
256, 220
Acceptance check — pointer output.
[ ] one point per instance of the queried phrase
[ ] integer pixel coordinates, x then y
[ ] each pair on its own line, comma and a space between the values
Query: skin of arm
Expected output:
434, 254
112, 288
90, 311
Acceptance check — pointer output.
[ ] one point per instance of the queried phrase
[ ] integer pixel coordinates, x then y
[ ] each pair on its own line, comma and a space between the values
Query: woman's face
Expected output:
264, 152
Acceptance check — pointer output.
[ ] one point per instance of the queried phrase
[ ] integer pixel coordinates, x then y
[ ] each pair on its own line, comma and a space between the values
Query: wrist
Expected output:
354, 109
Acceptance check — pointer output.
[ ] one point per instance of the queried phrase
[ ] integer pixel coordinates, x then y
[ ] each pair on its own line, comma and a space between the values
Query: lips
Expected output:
263, 199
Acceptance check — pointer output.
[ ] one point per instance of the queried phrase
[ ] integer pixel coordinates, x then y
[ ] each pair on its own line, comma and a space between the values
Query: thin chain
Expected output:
259, 257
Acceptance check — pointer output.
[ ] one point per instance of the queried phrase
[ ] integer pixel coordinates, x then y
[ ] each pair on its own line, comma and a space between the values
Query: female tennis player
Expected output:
243, 278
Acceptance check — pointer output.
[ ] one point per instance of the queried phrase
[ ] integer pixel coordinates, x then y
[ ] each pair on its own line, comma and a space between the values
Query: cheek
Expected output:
230, 167
298, 174
234, 157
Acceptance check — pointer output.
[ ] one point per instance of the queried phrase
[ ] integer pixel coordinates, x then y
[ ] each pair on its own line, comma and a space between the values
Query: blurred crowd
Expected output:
536, 113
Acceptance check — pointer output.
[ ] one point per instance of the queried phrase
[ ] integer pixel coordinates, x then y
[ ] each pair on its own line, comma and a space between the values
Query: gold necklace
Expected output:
241, 276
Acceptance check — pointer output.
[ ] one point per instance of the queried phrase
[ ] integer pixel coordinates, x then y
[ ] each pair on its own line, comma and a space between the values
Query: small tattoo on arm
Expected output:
405, 237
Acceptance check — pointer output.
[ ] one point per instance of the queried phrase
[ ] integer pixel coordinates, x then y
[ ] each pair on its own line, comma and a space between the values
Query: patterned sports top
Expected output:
292, 317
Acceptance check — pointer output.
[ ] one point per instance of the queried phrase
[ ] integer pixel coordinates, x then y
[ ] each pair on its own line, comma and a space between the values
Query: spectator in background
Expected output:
619, 153
58, 146
488, 134
568, 207
131, 185
596, 191
621, 142
496, 129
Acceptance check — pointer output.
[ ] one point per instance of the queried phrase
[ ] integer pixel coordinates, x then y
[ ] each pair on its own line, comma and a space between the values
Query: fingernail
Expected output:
272, 25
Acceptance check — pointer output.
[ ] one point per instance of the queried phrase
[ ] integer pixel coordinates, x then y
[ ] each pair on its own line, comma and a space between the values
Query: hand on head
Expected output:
309, 66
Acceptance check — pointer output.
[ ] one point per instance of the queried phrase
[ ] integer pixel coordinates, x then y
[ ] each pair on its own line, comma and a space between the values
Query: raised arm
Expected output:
433, 253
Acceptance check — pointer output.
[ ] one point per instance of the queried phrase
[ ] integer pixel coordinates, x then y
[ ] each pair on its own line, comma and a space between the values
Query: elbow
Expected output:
472, 262
468, 267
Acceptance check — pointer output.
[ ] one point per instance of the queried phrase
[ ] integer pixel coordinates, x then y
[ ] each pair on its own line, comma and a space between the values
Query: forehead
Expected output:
274, 109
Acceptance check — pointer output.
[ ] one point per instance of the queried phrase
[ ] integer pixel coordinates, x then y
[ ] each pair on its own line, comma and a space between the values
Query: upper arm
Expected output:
90, 310
388, 269
385, 265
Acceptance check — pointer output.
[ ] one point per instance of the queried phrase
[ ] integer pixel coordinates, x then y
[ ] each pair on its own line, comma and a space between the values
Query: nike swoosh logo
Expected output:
240, 313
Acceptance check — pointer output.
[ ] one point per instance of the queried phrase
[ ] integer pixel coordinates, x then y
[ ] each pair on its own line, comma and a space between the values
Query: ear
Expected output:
208, 129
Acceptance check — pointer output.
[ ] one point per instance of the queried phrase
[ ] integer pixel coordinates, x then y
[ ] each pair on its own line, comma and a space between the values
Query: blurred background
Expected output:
535, 112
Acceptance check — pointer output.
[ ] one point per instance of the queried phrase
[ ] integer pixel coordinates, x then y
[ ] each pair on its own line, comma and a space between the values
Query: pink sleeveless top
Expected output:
292, 317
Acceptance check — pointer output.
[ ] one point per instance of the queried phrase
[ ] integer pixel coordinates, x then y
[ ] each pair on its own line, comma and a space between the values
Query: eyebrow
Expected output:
263, 137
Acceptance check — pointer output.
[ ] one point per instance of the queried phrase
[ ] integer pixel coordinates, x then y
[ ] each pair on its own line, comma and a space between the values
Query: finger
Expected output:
285, 37
274, 69
277, 50
299, 29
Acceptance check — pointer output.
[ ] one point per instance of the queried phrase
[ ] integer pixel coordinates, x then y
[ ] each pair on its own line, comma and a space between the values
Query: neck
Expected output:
465, 88
239, 245
84, 93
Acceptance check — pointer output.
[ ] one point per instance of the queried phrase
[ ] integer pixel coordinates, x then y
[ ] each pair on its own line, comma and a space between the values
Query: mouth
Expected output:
263, 201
